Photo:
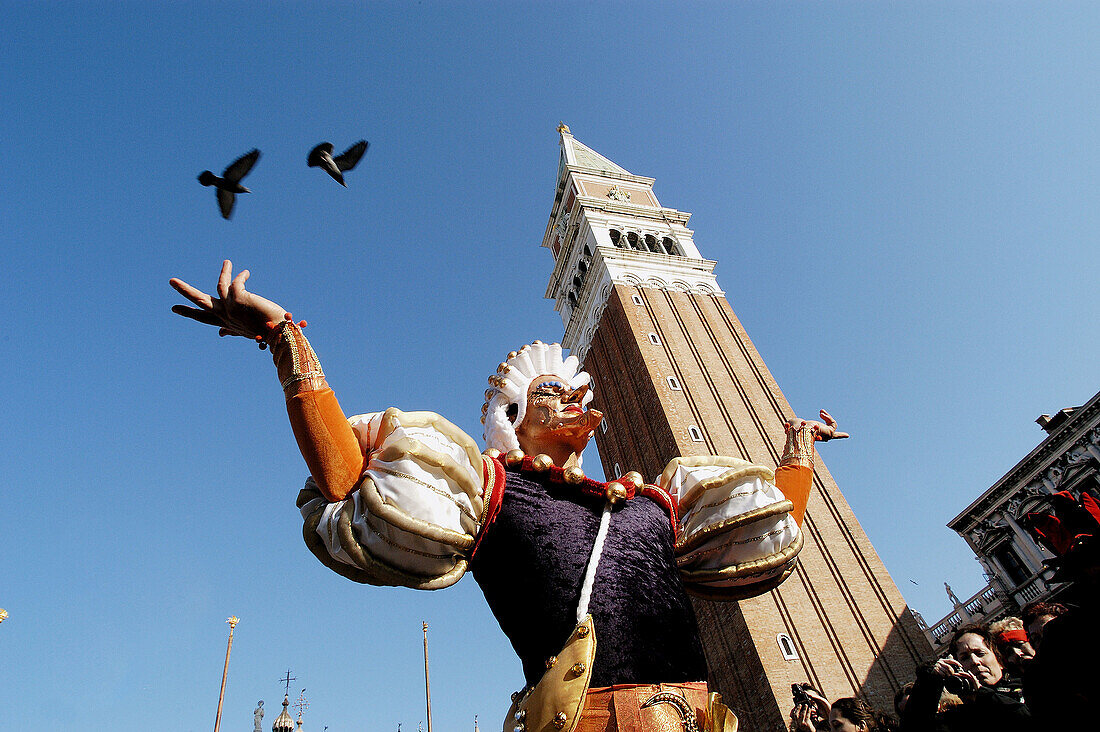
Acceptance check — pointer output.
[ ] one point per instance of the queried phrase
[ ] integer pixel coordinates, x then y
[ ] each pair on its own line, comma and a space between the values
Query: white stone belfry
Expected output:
607, 227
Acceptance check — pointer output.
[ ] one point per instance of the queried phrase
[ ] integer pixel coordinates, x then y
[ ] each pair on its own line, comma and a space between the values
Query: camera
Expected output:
798, 691
957, 685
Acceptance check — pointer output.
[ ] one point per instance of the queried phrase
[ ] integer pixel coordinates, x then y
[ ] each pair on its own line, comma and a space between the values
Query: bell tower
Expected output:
676, 374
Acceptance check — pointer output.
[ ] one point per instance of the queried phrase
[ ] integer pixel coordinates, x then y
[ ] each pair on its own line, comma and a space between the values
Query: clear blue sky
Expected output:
902, 199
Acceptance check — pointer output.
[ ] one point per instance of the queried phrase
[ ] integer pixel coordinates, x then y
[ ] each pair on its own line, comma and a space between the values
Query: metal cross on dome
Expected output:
287, 681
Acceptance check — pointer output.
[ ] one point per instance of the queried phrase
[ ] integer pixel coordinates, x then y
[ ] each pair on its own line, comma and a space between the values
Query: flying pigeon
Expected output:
321, 157
229, 185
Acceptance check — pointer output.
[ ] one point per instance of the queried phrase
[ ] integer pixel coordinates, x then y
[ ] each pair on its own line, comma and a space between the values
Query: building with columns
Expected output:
676, 374
1068, 458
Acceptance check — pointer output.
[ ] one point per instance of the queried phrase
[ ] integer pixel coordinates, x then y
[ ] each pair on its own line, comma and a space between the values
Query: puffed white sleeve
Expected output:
736, 537
414, 515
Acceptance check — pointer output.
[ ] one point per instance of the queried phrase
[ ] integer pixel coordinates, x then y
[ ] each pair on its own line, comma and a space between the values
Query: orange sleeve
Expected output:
795, 481
795, 474
326, 440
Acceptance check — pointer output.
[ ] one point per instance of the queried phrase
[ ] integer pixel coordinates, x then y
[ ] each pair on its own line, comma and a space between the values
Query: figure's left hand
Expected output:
824, 430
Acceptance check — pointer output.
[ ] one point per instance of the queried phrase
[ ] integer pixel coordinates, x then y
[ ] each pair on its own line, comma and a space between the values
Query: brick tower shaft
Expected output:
676, 374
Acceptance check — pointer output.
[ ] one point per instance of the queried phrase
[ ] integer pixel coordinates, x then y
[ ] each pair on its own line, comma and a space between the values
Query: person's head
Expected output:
974, 648
1036, 615
851, 715
902, 697
1012, 642
536, 403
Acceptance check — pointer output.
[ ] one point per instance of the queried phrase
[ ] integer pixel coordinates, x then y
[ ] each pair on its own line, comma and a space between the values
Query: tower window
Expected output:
582, 266
617, 470
674, 384
786, 647
572, 298
636, 299
587, 251
655, 339
651, 244
632, 239
616, 238
603, 426
696, 435
669, 245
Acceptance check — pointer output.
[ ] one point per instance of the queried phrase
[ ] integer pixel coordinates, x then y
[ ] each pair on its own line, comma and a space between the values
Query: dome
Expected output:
283, 723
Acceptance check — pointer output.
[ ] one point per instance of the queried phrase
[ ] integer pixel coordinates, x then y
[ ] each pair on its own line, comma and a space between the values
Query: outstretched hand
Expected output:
824, 430
235, 312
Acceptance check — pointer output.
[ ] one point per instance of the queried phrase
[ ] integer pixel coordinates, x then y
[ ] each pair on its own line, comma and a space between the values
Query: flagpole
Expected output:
427, 684
232, 620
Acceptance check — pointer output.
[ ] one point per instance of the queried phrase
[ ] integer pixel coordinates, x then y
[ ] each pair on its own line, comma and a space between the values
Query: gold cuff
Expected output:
799, 449
298, 366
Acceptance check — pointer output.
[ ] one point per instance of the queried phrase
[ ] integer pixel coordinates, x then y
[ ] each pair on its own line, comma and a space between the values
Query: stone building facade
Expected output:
676, 374
1067, 459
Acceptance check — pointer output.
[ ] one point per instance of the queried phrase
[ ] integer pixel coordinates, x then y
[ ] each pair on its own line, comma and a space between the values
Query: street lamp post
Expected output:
427, 685
232, 620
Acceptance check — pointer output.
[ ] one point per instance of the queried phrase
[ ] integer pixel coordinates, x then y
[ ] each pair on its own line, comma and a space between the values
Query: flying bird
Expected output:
321, 157
229, 185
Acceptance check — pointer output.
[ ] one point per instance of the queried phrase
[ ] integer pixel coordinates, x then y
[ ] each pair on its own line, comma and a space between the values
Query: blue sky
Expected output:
902, 199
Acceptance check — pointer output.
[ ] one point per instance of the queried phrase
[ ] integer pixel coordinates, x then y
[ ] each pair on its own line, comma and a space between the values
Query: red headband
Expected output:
1015, 634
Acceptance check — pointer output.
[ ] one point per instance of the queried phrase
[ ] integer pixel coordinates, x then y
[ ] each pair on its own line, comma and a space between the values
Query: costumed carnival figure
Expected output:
589, 580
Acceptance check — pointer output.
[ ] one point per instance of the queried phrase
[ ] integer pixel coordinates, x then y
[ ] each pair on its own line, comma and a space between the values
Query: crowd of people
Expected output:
991, 678
1038, 671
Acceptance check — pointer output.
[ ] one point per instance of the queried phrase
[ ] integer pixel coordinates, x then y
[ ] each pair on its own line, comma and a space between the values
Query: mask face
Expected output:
555, 417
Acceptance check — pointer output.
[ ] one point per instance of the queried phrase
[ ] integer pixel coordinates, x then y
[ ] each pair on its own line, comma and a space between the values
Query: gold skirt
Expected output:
686, 707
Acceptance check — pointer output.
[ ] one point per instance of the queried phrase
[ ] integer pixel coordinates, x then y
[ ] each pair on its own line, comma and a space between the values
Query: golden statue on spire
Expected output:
562, 127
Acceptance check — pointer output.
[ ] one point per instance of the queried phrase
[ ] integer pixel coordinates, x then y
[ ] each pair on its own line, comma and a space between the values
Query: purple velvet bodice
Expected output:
531, 564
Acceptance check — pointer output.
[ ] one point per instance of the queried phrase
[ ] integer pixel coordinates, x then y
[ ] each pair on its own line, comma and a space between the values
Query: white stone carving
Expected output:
615, 193
563, 225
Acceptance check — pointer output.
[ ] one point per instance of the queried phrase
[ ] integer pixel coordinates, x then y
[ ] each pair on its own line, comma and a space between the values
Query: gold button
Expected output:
574, 475
542, 463
578, 669
582, 632
634, 478
559, 720
492, 452
616, 492
551, 661
514, 457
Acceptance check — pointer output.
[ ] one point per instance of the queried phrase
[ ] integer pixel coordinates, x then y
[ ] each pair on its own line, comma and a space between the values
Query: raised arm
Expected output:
739, 524
795, 473
326, 440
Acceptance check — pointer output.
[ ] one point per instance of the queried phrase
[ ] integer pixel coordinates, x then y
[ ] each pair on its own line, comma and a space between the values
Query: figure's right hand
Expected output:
235, 311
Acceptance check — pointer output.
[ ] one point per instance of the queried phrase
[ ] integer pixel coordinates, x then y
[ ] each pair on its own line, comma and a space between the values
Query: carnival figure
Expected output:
589, 580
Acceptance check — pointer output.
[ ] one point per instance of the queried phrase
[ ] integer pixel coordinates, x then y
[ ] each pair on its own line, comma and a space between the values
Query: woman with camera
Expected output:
991, 698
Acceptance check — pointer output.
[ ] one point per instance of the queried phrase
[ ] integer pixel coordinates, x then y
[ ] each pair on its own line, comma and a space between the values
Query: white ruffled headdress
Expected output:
509, 386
